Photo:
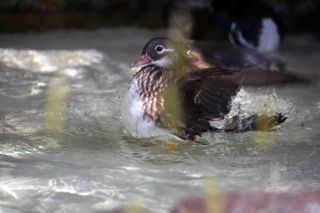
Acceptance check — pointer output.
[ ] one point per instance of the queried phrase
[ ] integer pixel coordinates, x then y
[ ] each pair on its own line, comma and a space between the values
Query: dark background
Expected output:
299, 16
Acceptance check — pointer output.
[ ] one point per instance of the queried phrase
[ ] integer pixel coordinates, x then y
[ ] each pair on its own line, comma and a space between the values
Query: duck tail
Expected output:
254, 123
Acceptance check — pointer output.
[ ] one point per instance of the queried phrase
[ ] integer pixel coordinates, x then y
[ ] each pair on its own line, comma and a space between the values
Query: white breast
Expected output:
269, 39
132, 115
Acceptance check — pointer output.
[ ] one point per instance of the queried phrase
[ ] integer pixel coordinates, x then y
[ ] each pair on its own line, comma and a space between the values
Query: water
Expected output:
92, 165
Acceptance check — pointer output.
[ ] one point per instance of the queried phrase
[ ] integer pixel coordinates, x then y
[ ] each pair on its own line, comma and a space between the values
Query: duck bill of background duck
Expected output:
142, 61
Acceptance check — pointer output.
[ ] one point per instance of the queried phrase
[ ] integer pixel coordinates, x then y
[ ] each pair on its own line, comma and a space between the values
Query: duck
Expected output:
174, 91
252, 24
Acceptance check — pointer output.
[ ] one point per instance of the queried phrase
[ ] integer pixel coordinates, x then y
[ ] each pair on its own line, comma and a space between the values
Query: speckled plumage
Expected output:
144, 102
151, 81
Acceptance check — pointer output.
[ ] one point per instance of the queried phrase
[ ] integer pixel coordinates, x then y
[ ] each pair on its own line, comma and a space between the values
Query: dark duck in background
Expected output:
252, 24
164, 98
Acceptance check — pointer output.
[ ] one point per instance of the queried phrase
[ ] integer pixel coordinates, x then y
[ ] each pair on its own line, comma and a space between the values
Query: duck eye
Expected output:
159, 48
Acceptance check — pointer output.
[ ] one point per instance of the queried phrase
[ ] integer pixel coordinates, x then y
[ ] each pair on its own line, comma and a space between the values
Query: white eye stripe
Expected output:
158, 47
169, 50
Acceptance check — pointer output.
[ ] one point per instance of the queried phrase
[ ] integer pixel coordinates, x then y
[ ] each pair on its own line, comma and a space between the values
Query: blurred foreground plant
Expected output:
55, 105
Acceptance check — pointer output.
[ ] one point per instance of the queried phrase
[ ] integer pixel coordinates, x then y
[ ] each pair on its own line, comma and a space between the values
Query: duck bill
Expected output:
143, 60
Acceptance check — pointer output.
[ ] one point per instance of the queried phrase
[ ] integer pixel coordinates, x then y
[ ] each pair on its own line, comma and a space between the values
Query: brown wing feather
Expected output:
207, 94
258, 78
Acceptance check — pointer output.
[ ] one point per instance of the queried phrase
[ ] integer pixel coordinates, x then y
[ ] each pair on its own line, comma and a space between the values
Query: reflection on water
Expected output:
93, 165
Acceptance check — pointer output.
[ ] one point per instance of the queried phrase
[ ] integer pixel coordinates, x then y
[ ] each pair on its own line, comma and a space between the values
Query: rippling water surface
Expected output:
90, 164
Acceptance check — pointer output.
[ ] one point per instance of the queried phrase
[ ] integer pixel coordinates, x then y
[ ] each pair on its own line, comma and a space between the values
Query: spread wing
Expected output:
209, 91
207, 94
